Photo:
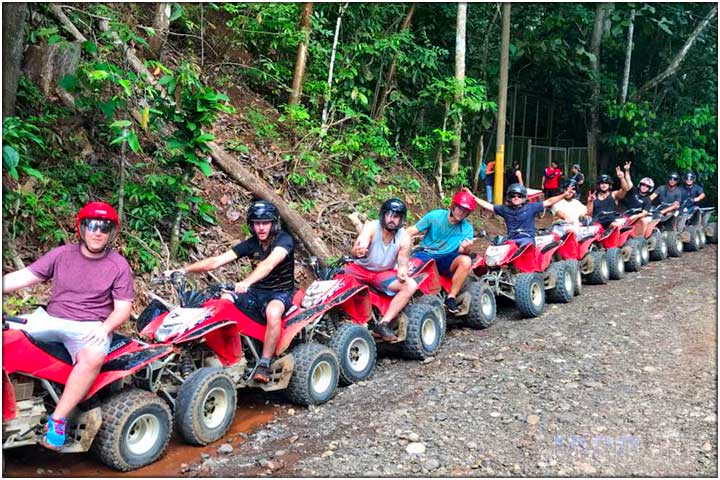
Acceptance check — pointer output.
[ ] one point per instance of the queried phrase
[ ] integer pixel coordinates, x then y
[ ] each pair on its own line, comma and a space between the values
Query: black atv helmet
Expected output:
263, 211
516, 189
567, 184
394, 205
689, 177
604, 179
674, 176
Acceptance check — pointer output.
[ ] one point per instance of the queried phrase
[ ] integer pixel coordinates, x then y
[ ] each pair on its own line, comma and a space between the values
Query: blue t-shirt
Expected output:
692, 192
442, 237
521, 222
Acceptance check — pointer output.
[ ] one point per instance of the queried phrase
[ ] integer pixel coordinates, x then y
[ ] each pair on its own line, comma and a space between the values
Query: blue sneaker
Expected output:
54, 438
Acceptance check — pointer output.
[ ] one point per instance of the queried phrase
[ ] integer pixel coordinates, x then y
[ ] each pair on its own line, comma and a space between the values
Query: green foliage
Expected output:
20, 137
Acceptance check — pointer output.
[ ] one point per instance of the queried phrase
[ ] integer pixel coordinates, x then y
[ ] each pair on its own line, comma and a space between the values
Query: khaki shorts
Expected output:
71, 333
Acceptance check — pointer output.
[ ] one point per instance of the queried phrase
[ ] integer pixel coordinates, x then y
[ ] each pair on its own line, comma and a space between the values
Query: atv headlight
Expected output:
495, 253
181, 320
318, 291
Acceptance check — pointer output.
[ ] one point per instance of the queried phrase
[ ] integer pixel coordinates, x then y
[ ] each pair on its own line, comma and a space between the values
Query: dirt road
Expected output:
621, 382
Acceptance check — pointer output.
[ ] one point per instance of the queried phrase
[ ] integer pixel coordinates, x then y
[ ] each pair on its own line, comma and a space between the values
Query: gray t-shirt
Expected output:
381, 256
668, 196
84, 288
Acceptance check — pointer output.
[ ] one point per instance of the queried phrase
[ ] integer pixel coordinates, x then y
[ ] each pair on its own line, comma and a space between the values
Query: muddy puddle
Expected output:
35, 461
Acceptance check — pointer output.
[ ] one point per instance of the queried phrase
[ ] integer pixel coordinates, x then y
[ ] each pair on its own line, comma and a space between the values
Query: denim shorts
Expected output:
254, 302
443, 262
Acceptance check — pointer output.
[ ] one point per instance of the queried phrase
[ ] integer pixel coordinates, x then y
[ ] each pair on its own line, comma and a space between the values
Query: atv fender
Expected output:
354, 301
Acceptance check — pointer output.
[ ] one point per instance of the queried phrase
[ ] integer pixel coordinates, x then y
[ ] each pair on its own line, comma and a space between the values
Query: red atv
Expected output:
695, 227
218, 350
420, 327
523, 273
125, 426
579, 247
622, 255
475, 300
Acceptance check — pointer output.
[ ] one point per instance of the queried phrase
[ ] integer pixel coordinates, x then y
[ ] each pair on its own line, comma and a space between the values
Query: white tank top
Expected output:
381, 256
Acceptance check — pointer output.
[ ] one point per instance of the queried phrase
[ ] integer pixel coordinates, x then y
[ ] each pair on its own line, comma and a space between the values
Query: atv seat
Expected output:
549, 246
58, 350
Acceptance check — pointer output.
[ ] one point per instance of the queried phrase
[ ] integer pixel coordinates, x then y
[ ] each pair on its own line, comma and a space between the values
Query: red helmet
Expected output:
101, 210
465, 200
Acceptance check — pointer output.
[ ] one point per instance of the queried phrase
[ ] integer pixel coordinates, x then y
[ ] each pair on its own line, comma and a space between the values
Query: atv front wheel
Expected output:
315, 375
482, 313
674, 244
529, 295
355, 348
644, 250
695, 240
424, 332
438, 308
660, 250
616, 264
601, 270
205, 406
635, 261
564, 288
575, 267
711, 233
135, 430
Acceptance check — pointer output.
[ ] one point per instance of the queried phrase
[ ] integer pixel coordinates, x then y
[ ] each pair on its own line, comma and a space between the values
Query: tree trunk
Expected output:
326, 106
594, 132
14, 17
628, 57
161, 25
251, 182
460, 84
498, 184
486, 42
380, 109
439, 158
679, 57
299, 74
479, 154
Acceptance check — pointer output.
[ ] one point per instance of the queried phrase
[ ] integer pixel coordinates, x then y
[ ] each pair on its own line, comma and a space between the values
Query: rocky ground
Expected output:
621, 382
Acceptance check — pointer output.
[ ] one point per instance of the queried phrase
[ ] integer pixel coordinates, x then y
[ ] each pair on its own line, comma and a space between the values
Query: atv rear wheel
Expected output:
482, 313
711, 233
616, 264
356, 351
315, 375
529, 295
564, 288
601, 270
575, 265
205, 406
424, 332
635, 261
135, 430
695, 240
674, 244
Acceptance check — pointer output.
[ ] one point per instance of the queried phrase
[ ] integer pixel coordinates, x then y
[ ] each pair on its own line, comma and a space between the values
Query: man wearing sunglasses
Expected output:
91, 296
518, 214
638, 197
670, 195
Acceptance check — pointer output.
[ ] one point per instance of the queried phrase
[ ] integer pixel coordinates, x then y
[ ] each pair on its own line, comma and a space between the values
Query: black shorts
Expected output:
254, 302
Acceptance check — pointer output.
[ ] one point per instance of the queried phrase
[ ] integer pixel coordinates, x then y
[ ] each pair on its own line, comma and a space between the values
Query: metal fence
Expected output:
540, 156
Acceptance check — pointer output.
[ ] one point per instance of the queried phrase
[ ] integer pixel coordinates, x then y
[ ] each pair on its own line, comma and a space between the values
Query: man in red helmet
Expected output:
92, 295
448, 237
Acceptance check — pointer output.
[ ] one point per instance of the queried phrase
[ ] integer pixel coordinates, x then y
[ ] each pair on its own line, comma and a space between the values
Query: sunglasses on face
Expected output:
95, 224
673, 179
516, 195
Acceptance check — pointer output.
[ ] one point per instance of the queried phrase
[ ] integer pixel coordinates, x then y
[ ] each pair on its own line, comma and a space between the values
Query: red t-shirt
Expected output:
84, 288
554, 182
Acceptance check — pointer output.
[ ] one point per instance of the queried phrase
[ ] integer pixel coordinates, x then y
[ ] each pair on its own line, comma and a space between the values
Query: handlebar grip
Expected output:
13, 319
